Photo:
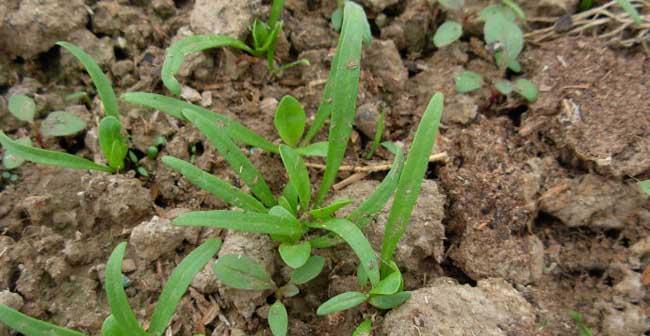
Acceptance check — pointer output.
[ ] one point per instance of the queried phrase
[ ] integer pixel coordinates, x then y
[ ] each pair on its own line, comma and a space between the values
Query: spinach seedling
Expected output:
122, 320
111, 141
265, 35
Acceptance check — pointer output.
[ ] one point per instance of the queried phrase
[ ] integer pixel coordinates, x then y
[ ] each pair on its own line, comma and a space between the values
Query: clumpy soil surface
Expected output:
534, 214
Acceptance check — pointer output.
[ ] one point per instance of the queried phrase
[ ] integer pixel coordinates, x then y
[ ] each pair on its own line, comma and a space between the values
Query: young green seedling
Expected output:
265, 35
112, 143
122, 320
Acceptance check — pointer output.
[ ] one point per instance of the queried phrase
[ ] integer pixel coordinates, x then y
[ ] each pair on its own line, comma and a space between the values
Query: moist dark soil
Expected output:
534, 213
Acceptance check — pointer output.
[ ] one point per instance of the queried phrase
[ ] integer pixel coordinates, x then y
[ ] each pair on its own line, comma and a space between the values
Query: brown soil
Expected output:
536, 212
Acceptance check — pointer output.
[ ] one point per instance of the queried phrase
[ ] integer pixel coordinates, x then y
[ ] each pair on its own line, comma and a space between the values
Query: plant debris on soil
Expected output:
534, 213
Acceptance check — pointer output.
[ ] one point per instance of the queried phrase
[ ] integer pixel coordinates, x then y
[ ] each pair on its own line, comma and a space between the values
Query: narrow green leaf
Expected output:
468, 81
61, 123
372, 205
214, 185
276, 12
241, 221
298, 175
178, 283
233, 155
364, 329
359, 244
289, 120
242, 272
12, 161
282, 212
47, 157
176, 53
307, 272
410, 182
389, 301
341, 302
503, 86
362, 276
110, 327
345, 90
504, 33
278, 319
515, 8
174, 107
22, 107
330, 209
526, 89
630, 10
379, 132
645, 186
337, 19
452, 4
447, 33
585, 5
102, 84
315, 149
260, 33
30, 326
112, 142
117, 300
295, 255
389, 285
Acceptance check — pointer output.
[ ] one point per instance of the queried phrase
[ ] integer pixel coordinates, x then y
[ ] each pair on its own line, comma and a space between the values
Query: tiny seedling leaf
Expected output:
630, 10
363, 329
278, 319
242, 272
112, 142
315, 149
645, 186
12, 161
330, 209
389, 301
214, 185
295, 255
233, 155
337, 19
379, 132
30, 326
298, 175
102, 84
276, 12
389, 285
503, 86
22, 107
260, 33
497, 9
61, 123
308, 271
452, 4
47, 157
341, 302
503, 32
362, 276
174, 108
468, 81
288, 290
342, 99
526, 89
117, 300
447, 33
241, 221
178, 283
515, 8
290, 120
359, 244
410, 182
176, 53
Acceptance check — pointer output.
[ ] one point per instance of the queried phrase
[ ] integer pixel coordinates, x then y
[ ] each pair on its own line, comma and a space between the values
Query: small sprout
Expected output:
583, 329
341, 302
152, 152
61, 123
447, 33
22, 107
503, 30
113, 143
310, 270
290, 120
363, 329
526, 89
468, 81
645, 186
295, 255
389, 285
503, 86
287, 291
142, 171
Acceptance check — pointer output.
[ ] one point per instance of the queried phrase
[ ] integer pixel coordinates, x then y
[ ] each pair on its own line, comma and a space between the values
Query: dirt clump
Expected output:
492, 308
230, 18
158, 236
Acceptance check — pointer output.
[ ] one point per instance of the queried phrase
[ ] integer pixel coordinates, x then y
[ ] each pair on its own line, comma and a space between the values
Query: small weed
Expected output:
583, 329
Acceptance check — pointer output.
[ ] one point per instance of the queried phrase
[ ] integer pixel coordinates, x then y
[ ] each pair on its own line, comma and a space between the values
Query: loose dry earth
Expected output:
536, 212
